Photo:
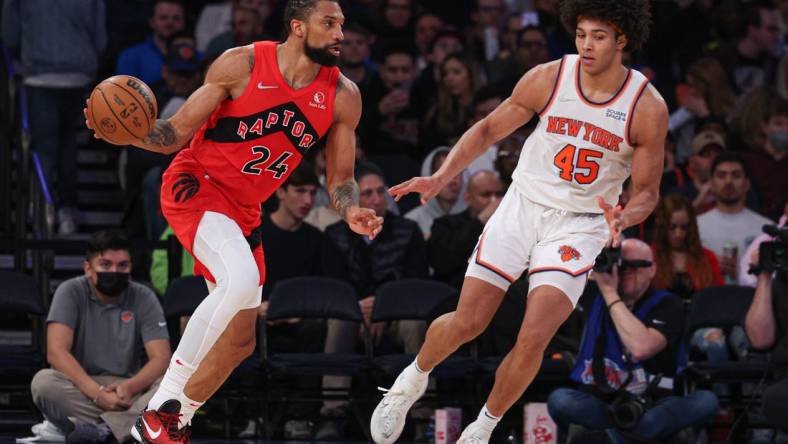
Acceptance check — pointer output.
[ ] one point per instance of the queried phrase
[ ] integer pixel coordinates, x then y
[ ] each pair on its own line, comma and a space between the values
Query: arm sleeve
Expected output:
151, 316
667, 317
450, 245
65, 307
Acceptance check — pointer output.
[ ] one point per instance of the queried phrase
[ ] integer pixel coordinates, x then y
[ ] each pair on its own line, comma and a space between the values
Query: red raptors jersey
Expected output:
250, 145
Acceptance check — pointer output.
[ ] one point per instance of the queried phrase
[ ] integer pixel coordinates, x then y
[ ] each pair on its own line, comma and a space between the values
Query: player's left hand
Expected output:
613, 218
364, 221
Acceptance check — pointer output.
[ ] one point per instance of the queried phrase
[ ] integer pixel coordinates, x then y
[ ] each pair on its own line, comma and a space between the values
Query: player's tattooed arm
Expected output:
345, 196
161, 138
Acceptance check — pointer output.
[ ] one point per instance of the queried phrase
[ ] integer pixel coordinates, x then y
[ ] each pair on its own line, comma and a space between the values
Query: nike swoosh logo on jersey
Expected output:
261, 86
151, 433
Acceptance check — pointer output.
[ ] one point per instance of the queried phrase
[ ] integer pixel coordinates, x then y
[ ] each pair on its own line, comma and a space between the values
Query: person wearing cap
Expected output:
692, 181
180, 75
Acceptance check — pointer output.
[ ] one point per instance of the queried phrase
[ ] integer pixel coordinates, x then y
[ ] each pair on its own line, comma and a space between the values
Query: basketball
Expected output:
122, 109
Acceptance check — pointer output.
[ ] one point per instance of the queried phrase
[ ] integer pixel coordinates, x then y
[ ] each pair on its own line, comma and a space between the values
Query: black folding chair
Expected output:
23, 313
311, 298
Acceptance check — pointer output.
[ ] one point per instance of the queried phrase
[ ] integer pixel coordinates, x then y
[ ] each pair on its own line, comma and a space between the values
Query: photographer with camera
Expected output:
631, 350
766, 322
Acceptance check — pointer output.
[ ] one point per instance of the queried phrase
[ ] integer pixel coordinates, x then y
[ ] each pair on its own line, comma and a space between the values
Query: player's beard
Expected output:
319, 55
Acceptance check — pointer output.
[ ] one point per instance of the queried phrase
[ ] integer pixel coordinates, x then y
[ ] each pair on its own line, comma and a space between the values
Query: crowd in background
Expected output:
427, 71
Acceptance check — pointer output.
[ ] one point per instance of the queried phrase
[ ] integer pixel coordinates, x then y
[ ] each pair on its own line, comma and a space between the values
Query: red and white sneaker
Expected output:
161, 426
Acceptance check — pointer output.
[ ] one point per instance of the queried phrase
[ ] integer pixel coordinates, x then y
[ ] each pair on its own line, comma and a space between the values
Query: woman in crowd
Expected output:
683, 265
447, 119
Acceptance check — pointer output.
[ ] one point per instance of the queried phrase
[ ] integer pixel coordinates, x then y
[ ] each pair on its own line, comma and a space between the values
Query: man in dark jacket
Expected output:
397, 252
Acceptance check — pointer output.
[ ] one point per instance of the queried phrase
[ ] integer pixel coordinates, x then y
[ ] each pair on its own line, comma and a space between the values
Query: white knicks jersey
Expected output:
580, 149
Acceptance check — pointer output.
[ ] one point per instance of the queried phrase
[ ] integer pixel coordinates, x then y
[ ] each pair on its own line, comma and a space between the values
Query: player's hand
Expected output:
364, 221
614, 220
428, 187
87, 121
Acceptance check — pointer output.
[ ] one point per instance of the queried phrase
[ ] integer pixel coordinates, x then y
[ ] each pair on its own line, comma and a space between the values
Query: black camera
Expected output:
773, 256
607, 259
628, 408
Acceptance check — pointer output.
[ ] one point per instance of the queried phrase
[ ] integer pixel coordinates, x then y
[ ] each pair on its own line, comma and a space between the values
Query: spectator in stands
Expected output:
694, 180
97, 328
454, 236
159, 268
448, 118
284, 232
638, 330
487, 19
486, 99
390, 121
354, 58
145, 60
447, 41
427, 26
766, 324
512, 26
59, 44
448, 199
397, 252
531, 51
683, 265
395, 25
246, 27
745, 277
750, 63
769, 159
730, 227
709, 94
508, 154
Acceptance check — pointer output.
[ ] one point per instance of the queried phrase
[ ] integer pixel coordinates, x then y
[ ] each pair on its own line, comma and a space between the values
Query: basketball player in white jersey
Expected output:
599, 123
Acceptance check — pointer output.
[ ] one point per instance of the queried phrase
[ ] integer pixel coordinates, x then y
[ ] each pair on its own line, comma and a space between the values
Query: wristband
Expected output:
101, 389
613, 303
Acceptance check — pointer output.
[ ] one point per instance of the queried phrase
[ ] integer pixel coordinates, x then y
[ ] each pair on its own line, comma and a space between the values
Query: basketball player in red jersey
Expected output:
599, 122
262, 106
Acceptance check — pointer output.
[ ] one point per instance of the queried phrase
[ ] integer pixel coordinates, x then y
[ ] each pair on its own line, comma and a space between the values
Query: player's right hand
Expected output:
87, 120
428, 187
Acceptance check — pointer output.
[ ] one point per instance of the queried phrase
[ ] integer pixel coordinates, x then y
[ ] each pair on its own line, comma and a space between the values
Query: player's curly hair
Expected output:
299, 10
632, 17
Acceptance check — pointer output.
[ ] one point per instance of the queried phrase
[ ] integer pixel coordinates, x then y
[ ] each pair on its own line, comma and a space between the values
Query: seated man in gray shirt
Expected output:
97, 327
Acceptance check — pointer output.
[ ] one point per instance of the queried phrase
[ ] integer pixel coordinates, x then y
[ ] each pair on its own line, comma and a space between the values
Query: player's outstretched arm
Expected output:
529, 95
648, 136
230, 72
340, 159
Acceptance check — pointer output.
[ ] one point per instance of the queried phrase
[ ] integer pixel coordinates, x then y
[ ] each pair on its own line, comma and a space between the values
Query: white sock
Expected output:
415, 366
188, 408
486, 419
171, 386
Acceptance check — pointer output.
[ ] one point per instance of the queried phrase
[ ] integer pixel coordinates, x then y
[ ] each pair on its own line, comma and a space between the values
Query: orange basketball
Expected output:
122, 109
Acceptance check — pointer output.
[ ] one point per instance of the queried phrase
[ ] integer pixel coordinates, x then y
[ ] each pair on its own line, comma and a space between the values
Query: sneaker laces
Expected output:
170, 421
390, 420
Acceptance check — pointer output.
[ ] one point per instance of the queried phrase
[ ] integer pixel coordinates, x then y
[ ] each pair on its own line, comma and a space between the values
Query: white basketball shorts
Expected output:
558, 247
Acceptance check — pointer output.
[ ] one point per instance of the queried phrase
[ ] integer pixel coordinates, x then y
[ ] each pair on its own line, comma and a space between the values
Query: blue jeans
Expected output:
54, 114
665, 419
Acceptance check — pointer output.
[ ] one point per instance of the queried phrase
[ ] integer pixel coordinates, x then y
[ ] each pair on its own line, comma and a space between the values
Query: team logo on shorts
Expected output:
568, 253
185, 187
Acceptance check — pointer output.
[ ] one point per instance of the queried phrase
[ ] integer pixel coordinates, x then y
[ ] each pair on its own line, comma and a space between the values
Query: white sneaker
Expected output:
474, 434
389, 416
47, 431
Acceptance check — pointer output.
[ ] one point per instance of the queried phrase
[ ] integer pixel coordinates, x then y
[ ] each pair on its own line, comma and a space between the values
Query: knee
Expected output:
242, 283
466, 328
559, 400
532, 340
244, 345
43, 384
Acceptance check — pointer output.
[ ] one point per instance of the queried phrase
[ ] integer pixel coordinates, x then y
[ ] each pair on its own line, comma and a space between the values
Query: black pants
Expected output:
775, 404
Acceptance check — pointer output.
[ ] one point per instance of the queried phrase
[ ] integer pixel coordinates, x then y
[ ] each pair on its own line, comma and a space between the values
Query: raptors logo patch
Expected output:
568, 253
185, 187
